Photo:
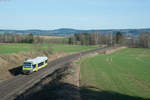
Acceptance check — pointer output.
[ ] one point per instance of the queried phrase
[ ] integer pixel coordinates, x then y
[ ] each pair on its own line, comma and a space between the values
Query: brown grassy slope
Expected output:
10, 64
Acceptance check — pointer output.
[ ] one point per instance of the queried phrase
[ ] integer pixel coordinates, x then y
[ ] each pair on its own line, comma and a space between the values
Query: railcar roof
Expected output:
37, 60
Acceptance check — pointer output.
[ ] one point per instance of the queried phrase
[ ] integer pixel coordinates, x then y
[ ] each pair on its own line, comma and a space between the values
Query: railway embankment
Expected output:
11, 64
63, 83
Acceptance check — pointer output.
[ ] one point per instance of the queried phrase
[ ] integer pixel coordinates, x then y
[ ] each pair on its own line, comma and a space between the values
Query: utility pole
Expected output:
111, 38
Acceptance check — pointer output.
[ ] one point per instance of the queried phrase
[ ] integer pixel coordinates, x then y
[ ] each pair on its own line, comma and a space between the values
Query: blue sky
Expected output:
78, 14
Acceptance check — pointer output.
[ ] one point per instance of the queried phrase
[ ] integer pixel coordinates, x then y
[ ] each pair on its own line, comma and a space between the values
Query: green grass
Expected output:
14, 48
20, 47
71, 48
123, 75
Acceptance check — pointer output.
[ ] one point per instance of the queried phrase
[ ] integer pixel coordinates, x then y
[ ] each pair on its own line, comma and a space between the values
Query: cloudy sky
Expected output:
78, 14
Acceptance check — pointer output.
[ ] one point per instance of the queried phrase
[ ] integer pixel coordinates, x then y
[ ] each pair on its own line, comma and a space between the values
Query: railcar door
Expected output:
34, 67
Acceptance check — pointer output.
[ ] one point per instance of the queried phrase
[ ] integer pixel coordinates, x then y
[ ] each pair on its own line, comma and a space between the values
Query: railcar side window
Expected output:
45, 61
34, 66
40, 64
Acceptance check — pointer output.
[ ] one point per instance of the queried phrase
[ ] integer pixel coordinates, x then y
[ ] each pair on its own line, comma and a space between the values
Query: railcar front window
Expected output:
27, 65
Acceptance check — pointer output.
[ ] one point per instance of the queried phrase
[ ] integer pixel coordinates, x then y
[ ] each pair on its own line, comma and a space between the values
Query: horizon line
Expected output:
73, 29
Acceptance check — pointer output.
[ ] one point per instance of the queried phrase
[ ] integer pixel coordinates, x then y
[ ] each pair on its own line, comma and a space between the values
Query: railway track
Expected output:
11, 88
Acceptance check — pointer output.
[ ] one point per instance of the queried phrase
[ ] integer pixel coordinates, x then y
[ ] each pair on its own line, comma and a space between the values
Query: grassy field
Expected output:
123, 75
71, 48
52, 37
15, 48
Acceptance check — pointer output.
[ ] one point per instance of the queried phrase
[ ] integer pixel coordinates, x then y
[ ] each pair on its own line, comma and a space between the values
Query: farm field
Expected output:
71, 48
20, 47
52, 37
123, 75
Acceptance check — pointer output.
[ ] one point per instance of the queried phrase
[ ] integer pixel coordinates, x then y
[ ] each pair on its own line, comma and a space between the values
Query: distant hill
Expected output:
68, 31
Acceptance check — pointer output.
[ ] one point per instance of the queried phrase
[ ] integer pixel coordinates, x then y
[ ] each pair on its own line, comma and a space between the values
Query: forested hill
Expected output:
68, 31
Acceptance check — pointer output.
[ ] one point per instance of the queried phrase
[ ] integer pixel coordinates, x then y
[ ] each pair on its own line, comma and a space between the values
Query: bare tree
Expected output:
94, 38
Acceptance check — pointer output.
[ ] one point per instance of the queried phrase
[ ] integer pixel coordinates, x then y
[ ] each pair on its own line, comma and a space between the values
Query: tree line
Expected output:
20, 38
111, 39
139, 41
16, 38
96, 38
28, 38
